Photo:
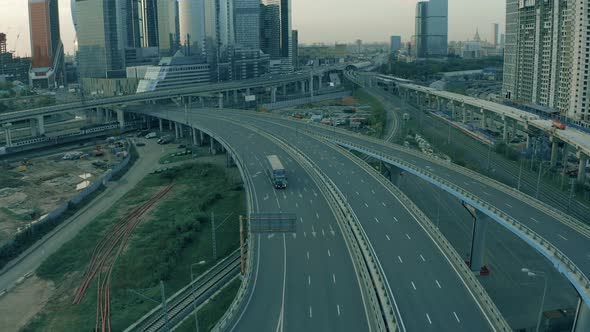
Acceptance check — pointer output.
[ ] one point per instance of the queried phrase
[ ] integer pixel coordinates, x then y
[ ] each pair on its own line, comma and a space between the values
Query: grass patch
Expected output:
173, 235
213, 310
13, 215
173, 158
378, 118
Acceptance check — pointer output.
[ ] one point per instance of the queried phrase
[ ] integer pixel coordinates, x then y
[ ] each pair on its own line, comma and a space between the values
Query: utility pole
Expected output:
213, 236
539, 179
242, 266
520, 174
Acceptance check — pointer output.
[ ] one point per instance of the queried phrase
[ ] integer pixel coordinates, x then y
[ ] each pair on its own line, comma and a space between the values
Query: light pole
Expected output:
539, 180
543, 275
520, 173
194, 298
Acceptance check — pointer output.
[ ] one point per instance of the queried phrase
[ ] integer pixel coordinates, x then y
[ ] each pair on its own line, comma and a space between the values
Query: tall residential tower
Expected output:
46, 46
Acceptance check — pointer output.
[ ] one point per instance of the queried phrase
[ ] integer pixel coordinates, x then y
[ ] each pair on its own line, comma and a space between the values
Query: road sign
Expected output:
273, 223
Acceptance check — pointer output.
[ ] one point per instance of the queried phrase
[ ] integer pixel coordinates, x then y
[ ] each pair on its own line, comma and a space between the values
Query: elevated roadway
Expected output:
561, 239
429, 293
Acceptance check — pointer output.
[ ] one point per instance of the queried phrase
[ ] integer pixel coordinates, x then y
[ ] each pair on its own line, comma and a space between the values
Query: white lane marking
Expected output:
413, 285
373, 191
294, 235
313, 231
338, 308
323, 233
487, 193
317, 215
301, 219
400, 259
297, 204
334, 278
377, 220
308, 255
357, 193
394, 218
424, 260
456, 317
310, 313
508, 205
304, 234
332, 230
561, 236
367, 205
305, 189
409, 238
311, 201
438, 284
315, 194
383, 203
329, 254
309, 280
535, 220
387, 236
270, 236
363, 181
338, 173
428, 318
466, 183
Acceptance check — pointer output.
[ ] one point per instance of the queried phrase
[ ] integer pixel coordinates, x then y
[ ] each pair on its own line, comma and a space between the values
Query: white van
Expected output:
151, 135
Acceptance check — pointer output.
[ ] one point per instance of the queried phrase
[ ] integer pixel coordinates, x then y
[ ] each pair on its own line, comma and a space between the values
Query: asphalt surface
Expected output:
573, 244
429, 294
303, 281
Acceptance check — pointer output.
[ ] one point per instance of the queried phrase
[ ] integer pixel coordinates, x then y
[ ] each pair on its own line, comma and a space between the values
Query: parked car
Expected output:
151, 135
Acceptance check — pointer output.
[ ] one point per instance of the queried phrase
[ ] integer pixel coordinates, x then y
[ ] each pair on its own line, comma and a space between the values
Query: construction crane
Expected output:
15, 44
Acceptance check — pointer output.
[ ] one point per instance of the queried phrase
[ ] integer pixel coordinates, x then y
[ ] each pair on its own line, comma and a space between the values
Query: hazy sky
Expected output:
318, 21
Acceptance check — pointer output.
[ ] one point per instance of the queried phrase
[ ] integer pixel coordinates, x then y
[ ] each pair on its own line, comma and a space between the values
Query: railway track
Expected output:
104, 257
182, 304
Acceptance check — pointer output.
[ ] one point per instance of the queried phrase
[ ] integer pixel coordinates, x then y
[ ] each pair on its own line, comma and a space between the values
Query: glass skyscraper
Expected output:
432, 27
168, 27
275, 29
247, 23
46, 45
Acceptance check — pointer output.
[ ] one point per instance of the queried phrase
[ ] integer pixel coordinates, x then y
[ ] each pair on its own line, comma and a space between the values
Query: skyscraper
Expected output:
198, 27
101, 33
247, 23
396, 44
46, 46
431, 31
168, 27
495, 36
141, 22
546, 55
275, 30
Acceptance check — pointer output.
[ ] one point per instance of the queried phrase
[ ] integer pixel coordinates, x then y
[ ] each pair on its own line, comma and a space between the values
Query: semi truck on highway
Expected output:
278, 174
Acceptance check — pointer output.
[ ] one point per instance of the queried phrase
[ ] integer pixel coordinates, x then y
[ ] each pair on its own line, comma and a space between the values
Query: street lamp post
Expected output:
194, 298
543, 275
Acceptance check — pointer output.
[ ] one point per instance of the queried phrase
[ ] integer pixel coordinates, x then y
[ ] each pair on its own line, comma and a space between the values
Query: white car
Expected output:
151, 135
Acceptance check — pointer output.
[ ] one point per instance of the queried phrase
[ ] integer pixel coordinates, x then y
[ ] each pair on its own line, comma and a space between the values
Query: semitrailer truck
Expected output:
278, 174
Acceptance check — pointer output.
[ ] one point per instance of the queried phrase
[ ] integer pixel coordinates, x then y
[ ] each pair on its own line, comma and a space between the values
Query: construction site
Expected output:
33, 186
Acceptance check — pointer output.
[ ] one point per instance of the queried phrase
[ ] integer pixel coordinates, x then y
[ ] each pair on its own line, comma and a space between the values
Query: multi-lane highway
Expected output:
428, 291
303, 281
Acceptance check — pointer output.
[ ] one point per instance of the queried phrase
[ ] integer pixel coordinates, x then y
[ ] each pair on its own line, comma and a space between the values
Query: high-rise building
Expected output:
247, 23
432, 27
141, 23
275, 31
295, 43
396, 44
168, 27
2, 43
495, 36
546, 55
101, 33
46, 46
225, 27
198, 27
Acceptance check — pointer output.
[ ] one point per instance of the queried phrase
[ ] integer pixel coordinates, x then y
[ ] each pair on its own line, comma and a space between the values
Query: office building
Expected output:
275, 32
168, 27
431, 30
249, 63
2, 43
396, 44
225, 28
247, 23
546, 55
295, 44
175, 72
47, 67
495, 36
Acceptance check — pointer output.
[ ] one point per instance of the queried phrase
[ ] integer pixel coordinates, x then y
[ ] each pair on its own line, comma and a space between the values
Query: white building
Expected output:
174, 72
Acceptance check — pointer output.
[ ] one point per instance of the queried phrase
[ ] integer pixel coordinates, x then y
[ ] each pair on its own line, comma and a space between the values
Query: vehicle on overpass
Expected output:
278, 174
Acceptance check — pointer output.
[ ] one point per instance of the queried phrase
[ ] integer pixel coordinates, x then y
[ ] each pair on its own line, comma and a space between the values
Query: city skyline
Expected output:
379, 20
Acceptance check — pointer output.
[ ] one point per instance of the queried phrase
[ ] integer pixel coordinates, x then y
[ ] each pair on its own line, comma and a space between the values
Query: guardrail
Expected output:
473, 285
561, 261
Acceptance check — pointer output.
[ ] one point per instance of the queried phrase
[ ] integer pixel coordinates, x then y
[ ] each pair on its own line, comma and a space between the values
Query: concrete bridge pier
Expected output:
160, 125
311, 86
195, 136
582, 167
121, 118
176, 134
273, 94
582, 322
201, 138
484, 119
212, 148
220, 101
229, 160
170, 125
453, 111
554, 150
505, 130
8, 134
464, 114
100, 115
235, 97
37, 126
285, 90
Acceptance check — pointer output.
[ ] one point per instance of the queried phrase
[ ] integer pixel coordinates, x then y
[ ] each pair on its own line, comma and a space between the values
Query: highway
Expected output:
303, 281
429, 293
567, 235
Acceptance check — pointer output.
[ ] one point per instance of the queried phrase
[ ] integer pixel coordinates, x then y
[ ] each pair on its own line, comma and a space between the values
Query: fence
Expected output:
307, 100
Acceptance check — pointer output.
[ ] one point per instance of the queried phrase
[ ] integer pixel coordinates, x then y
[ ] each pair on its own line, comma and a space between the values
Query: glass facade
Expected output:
275, 24
46, 46
168, 33
191, 19
431, 36
247, 23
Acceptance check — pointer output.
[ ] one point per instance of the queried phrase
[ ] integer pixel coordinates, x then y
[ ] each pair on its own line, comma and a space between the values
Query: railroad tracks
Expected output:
104, 257
183, 302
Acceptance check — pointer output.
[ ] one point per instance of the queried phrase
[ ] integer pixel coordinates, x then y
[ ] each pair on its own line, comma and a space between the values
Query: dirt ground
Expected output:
23, 302
30, 189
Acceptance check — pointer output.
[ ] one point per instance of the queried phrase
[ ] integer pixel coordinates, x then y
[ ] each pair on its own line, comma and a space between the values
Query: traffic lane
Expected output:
395, 236
570, 242
326, 304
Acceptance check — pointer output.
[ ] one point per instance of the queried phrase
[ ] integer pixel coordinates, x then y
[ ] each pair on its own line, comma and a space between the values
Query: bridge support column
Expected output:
484, 119
393, 173
37, 126
170, 125
505, 131
229, 160
273, 95
195, 137
453, 111
464, 114
582, 167
100, 115
438, 104
160, 125
285, 90
176, 134
220, 101
121, 118
480, 224
311, 86
554, 147
8, 134
212, 149
582, 322
528, 140
235, 97
181, 130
